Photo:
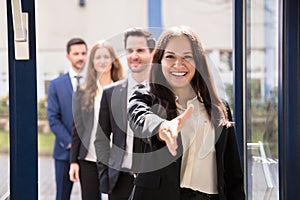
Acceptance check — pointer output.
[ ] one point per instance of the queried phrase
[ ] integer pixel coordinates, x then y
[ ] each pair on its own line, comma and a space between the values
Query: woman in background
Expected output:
104, 68
186, 127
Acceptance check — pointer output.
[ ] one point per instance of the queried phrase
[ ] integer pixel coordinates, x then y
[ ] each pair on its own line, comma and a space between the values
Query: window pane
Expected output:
262, 99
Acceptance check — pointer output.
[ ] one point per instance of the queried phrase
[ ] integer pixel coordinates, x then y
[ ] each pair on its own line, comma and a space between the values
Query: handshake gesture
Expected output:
168, 130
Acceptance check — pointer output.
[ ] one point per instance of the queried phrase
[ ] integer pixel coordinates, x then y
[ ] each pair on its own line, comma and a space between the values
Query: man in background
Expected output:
116, 164
60, 115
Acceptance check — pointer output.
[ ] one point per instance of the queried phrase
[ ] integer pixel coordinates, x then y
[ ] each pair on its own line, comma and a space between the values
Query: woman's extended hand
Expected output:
168, 130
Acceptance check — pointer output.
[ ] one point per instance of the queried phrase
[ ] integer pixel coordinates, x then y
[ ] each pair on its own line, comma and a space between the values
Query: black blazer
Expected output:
112, 125
164, 183
82, 128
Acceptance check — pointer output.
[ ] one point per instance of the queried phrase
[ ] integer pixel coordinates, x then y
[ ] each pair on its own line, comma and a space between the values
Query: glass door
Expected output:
261, 89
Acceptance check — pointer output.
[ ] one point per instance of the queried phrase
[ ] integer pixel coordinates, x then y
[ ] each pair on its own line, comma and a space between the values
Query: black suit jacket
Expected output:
110, 140
164, 182
82, 128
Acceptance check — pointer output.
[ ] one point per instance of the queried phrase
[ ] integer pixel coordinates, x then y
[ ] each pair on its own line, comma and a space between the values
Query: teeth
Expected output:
178, 73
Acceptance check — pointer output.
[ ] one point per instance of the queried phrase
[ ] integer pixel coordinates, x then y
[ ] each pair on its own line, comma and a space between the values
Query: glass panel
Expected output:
262, 99
51, 61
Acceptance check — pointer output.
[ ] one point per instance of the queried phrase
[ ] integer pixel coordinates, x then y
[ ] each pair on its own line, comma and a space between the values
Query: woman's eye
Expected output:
140, 50
188, 57
170, 57
128, 51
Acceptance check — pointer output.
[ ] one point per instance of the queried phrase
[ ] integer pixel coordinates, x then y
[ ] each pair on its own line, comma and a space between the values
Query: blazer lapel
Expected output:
68, 84
123, 97
119, 105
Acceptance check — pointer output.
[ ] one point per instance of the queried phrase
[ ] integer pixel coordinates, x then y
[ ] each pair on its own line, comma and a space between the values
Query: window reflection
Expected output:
262, 99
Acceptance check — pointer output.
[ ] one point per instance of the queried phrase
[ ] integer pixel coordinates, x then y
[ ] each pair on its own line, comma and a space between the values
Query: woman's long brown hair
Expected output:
202, 82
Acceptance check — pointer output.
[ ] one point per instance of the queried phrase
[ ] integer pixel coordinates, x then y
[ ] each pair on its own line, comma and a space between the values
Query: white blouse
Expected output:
91, 155
199, 167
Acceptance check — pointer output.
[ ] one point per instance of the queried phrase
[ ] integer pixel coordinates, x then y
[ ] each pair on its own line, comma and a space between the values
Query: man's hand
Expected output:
74, 172
168, 130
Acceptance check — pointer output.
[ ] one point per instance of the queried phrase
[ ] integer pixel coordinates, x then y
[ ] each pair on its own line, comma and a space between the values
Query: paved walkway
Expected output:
46, 179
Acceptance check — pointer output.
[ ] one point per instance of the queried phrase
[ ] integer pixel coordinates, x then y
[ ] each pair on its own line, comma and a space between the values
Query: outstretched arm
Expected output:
147, 124
168, 130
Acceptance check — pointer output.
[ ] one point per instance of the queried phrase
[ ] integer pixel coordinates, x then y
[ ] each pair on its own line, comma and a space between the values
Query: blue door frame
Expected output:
289, 101
238, 64
23, 112
23, 100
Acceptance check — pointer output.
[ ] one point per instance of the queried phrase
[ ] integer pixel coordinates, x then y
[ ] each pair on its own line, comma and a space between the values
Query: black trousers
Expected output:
123, 187
189, 194
89, 182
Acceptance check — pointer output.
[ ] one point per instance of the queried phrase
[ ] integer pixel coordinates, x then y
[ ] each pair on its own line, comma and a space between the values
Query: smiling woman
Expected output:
186, 127
178, 65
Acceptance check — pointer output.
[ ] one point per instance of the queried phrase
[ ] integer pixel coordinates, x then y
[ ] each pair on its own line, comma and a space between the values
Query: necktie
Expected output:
139, 86
78, 81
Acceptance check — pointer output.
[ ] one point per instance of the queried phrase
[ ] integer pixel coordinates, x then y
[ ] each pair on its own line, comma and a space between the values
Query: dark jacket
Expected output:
60, 115
82, 128
112, 126
164, 182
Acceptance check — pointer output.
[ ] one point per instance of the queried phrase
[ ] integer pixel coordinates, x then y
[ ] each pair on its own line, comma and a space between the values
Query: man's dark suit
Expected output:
60, 118
112, 120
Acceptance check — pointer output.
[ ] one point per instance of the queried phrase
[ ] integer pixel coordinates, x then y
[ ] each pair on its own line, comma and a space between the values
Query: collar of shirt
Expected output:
191, 101
132, 83
99, 88
72, 73
199, 108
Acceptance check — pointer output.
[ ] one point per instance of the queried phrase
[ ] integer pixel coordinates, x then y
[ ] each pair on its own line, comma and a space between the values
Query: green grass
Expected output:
4, 140
45, 142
